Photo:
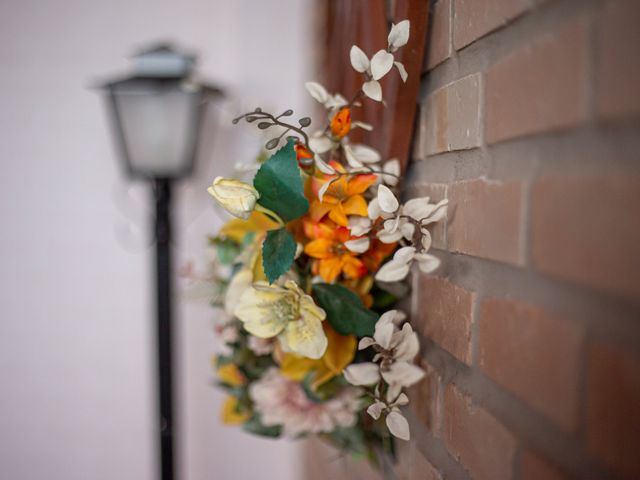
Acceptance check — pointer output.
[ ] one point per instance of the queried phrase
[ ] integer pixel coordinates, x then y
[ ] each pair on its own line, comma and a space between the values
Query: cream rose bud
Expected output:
238, 198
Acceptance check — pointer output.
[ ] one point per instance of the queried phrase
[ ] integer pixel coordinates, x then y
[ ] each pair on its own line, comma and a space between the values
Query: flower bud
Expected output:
237, 197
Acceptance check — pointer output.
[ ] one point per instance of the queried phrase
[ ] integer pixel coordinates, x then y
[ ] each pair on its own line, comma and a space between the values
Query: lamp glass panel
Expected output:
159, 128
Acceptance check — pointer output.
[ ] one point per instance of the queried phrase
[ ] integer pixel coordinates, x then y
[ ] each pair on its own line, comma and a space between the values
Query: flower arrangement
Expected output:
309, 270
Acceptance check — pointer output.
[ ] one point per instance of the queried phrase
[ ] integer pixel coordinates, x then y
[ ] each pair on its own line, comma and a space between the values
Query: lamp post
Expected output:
156, 115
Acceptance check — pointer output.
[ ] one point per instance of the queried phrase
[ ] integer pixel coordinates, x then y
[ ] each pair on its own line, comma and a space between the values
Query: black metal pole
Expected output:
162, 195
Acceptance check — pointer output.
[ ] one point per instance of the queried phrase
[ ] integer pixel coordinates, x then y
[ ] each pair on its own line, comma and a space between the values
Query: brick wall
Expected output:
530, 126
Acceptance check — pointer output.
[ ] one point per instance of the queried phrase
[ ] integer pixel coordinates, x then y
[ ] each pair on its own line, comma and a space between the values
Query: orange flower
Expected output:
342, 198
332, 257
304, 156
377, 252
341, 122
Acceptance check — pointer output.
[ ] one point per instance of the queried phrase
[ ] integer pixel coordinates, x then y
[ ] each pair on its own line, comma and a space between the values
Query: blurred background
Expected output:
77, 354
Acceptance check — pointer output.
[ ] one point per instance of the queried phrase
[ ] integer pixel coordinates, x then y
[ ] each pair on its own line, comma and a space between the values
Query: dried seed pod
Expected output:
304, 121
264, 125
271, 144
258, 110
251, 119
287, 113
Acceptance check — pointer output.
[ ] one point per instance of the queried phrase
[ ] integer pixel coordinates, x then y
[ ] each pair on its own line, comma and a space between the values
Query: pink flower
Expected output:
281, 401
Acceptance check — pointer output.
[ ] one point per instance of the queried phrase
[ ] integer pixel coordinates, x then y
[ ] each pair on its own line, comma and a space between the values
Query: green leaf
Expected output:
255, 426
280, 184
278, 253
345, 311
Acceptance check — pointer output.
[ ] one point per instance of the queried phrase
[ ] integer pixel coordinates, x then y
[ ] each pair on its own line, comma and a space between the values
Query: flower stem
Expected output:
270, 213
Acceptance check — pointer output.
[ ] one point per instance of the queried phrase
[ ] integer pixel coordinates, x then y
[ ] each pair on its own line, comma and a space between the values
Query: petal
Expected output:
330, 268
318, 209
391, 171
398, 425
384, 334
403, 373
374, 210
320, 248
324, 167
402, 71
338, 215
375, 409
385, 237
317, 91
399, 35
324, 188
320, 143
359, 225
240, 282
359, 60
362, 373
364, 153
427, 263
351, 158
362, 125
393, 271
381, 63
305, 337
359, 245
386, 198
373, 90
355, 205
360, 183
401, 400
409, 346
404, 254
365, 343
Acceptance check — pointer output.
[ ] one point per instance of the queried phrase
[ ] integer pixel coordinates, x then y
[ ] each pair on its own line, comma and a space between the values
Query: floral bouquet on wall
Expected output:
309, 271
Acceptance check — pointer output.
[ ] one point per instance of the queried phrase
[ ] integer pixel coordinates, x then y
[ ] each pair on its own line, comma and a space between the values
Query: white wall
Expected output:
76, 326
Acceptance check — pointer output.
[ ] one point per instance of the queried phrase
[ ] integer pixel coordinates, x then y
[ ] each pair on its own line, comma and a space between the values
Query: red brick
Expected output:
485, 220
440, 37
472, 435
613, 408
424, 399
540, 87
452, 117
585, 229
534, 354
617, 61
534, 467
423, 469
475, 18
445, 315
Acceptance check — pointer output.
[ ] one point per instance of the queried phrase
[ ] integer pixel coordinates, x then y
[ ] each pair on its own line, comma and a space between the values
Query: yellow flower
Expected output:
230, 414
340, 352
231, 375
268, 311
238, 198
237, 228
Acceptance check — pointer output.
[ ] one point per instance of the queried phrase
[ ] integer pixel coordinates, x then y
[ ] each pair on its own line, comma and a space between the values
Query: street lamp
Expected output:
156, 115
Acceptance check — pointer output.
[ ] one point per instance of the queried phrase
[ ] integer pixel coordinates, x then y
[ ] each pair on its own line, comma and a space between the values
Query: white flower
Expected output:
398, 35
387, 200
359, 154
319, 93
396, 422
283, 402
396, 349
238, 198
320, 143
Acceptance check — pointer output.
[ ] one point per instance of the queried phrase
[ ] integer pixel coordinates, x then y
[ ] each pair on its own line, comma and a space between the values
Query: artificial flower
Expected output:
238, 198
236, 228
396, 350
399, 267
283, 402
342, 195
340, 352
288, 313
396, 422
230, 374
341, 122
333, 255
260, 346
231, 414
